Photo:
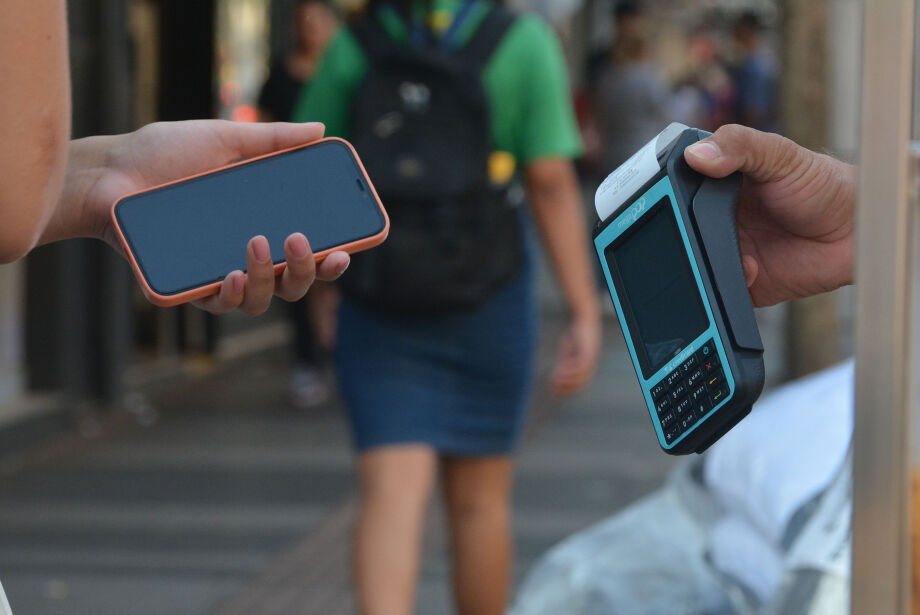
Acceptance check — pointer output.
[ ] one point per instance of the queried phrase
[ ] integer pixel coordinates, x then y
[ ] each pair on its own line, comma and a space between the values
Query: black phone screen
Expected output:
195, 232
651, 270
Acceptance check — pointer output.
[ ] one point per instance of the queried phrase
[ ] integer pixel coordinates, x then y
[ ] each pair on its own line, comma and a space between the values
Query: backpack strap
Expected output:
488, 35
373, 39
377, 45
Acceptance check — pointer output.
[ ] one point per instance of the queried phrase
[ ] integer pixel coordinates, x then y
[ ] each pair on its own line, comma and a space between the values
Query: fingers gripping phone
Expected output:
184, 237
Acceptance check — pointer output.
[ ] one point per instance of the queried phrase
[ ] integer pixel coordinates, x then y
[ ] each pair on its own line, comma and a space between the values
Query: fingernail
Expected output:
236, 282
298, 245
260, 249
705, 150
316, 125
341, 268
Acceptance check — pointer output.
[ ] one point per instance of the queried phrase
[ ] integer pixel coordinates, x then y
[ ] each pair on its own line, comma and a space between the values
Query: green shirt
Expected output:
526, 84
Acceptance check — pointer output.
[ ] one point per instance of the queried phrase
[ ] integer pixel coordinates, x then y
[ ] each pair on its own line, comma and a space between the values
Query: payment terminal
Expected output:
667, 241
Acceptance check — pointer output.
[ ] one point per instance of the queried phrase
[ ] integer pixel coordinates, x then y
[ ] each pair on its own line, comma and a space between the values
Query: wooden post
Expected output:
812, 323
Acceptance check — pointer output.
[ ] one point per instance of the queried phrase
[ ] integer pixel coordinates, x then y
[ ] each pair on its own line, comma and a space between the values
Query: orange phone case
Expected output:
213, 287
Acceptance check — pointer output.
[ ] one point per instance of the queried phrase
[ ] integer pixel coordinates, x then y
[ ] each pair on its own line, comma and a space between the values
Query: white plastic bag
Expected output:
785, 452
647, 560
766, 531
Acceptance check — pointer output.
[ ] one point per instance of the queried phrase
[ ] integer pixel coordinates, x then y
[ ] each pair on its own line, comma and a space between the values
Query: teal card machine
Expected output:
668, 246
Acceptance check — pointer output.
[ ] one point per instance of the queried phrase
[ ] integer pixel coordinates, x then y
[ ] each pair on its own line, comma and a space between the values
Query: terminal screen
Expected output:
657, 289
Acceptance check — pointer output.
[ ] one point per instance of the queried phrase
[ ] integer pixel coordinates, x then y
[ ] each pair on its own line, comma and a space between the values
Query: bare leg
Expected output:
395, 486
477, 491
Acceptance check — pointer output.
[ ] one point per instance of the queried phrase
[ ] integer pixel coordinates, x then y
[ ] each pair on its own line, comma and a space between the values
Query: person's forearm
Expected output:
556, 202
34, 119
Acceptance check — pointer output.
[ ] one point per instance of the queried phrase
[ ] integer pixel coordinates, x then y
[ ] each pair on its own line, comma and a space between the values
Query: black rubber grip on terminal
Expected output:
715, 213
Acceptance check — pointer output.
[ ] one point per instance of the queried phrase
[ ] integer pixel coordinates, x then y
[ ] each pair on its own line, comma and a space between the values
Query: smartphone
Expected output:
184, 237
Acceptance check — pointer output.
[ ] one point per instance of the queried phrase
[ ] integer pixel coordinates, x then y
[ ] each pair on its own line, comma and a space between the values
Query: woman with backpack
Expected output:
437, 330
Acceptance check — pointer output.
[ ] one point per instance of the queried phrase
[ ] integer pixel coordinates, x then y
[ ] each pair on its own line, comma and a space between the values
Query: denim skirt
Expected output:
459, 382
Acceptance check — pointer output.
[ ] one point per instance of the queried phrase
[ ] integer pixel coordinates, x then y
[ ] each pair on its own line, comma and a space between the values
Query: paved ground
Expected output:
233, 502
232, 496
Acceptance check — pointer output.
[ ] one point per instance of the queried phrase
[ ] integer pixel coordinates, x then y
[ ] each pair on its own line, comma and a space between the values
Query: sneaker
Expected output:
308, 387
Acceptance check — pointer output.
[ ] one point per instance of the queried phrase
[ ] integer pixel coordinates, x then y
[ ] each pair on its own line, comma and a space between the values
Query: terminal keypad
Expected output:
689, 392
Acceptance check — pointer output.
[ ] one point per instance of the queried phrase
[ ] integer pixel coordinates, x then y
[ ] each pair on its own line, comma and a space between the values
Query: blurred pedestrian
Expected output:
754, 75
314, 23
710, 77
436, 335
631, 102
629, 21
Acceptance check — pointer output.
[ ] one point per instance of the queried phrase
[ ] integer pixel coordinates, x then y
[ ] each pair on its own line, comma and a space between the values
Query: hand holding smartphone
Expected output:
184, 237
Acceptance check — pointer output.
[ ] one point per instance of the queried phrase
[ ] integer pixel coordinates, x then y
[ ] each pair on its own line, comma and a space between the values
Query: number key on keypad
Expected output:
684, 406
695, 378
663, 405
687, 366
698, 394
673, 378
678, 391
702, 408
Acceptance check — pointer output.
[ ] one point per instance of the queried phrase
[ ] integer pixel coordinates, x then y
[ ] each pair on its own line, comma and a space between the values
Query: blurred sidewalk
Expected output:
235, 503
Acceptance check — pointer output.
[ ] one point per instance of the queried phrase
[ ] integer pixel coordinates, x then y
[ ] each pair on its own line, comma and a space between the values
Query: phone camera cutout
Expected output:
360, 185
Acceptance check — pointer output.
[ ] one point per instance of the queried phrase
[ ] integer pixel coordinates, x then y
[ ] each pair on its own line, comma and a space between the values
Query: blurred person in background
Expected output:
709, 77
447, 386
754, 75
314, 23
631, 101
52, 188
629, 20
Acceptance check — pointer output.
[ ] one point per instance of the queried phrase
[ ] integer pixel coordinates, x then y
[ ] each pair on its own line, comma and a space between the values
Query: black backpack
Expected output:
420, 122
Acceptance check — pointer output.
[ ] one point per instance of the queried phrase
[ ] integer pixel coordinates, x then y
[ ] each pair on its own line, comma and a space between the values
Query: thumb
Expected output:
762, 156
247, 140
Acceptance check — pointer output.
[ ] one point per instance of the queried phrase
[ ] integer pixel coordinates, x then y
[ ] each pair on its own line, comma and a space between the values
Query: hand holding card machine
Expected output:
668, 246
